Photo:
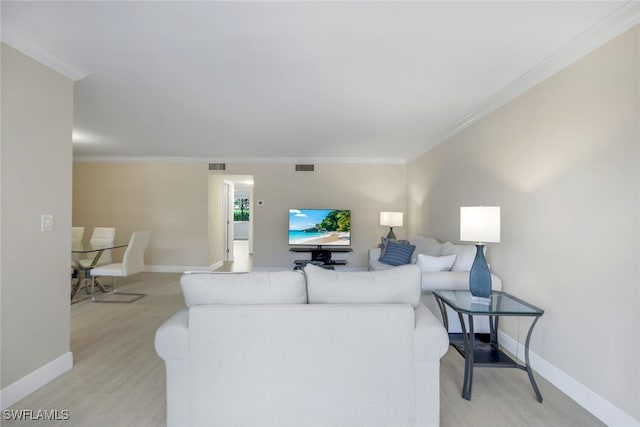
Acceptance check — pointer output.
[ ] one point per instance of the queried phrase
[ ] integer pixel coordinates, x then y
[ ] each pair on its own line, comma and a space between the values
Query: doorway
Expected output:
238, 209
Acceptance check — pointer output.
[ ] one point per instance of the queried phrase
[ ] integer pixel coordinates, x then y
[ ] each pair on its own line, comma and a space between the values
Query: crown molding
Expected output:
22, 42
314, 160
619, 21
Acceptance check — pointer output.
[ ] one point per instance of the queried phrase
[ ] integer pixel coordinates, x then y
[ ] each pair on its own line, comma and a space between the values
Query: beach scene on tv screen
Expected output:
319, 227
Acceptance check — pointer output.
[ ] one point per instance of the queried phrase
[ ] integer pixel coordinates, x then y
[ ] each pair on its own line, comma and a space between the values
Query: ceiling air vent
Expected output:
304, 168
217, 166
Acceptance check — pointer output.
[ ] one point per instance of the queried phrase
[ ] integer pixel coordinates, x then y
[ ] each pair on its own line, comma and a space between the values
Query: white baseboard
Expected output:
600, 407
36, 379
175, 268
216, 265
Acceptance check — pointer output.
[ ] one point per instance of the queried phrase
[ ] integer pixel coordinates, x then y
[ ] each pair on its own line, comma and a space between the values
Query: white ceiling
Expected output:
366, 81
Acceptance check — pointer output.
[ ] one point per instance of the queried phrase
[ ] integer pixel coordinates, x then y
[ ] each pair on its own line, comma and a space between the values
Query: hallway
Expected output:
243, 260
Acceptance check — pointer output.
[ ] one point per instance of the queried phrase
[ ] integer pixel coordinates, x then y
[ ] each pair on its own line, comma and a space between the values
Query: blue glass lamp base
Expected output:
480, 276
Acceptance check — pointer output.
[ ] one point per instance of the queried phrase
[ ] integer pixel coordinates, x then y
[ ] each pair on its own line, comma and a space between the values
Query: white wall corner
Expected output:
22, 42
36, 379
601, 408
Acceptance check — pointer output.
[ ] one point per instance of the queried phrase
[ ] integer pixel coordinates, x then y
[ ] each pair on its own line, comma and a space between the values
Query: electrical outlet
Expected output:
46, 222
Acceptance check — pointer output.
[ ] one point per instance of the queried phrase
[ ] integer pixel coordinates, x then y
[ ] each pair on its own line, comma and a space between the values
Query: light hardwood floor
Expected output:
242, 259
118, 380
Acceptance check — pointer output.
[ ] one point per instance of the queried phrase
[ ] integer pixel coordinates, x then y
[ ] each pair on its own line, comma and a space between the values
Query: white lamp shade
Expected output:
391, 219
480, 224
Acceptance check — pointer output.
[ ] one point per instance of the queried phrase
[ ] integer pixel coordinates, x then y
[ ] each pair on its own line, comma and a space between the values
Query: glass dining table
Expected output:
94, 250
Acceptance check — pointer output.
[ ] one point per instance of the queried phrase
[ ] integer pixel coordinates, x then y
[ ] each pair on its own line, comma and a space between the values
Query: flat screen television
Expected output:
320, 227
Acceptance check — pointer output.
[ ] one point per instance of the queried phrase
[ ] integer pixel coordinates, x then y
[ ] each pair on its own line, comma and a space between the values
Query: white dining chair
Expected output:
100, 235
77, 233
132, 263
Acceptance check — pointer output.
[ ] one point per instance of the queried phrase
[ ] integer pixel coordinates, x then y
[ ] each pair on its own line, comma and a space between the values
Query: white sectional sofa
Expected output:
324, 348
457, 278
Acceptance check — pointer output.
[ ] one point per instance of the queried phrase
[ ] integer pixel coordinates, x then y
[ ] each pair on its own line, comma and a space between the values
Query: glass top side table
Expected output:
486, 354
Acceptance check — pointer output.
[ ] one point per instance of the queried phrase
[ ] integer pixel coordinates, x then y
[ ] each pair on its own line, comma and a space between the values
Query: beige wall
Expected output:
366, 189
563, 162
170, 199
37, 117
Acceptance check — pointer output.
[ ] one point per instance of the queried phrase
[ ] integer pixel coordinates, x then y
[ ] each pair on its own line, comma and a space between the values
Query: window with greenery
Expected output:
241, 210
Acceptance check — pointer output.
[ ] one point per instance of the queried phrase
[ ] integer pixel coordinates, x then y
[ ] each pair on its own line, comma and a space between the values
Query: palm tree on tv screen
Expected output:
336, 221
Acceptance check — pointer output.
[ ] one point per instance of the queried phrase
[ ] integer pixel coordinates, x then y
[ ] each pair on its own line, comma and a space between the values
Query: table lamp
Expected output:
480, 224
391, 219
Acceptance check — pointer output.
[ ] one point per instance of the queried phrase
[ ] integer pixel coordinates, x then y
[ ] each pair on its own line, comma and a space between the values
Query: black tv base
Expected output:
321, 256
304, 262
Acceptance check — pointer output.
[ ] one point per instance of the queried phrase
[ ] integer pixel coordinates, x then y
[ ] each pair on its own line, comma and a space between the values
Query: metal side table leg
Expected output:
493, 330
468, 356
528, 365
443, 311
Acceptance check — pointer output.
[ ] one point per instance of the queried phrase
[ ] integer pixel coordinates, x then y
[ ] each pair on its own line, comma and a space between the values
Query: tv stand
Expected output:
321, 256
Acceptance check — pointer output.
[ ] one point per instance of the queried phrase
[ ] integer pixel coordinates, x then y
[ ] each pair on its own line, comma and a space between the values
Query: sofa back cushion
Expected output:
427, 245
465, 254
399, 285
279, 287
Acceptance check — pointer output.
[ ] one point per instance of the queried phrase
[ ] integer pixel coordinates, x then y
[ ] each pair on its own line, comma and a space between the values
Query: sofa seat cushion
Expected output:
399, 285
376, 265
274, 287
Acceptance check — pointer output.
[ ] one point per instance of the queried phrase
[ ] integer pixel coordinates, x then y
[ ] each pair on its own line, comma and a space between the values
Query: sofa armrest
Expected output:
431, 339
172, 337
374, 254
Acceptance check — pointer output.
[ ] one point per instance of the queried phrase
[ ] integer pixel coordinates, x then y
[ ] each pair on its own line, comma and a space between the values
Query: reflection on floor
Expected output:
242, 259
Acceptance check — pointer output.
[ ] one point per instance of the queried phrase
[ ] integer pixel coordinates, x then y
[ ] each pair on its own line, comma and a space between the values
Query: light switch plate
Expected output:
46, 222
